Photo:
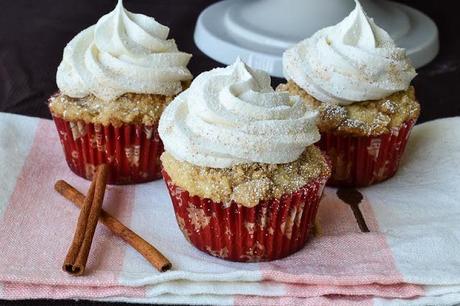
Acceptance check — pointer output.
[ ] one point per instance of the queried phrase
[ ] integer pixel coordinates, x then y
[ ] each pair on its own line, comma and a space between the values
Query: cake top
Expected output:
122, 53
233, 116
247, 184
353, 61
129, 108
367, 118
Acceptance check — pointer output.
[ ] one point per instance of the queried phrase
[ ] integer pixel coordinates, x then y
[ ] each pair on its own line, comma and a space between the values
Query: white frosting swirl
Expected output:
122, 53
352, 61
232, 116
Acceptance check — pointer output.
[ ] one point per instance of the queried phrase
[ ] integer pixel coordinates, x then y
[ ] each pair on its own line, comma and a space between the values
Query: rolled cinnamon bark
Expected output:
77, 256
150, 253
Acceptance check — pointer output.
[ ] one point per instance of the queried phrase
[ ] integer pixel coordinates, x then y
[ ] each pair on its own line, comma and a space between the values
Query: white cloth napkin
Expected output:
411, 255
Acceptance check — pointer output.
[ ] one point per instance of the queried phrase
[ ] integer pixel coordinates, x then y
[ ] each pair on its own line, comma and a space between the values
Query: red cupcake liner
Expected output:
132, 150
272, 229
363, 161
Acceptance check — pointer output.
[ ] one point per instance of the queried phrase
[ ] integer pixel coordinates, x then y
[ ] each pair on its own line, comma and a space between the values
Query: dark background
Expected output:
33, 35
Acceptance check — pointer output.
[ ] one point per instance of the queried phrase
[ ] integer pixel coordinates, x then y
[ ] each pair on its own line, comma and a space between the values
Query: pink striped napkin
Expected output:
410, 256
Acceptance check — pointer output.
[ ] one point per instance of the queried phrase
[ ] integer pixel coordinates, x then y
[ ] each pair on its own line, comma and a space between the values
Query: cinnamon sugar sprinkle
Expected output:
367, 118
246, 184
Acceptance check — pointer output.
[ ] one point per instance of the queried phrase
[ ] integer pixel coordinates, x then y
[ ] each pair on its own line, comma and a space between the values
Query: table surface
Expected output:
34, 33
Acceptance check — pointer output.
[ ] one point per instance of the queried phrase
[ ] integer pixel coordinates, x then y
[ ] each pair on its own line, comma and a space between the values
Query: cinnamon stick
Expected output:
150, 253
77, 256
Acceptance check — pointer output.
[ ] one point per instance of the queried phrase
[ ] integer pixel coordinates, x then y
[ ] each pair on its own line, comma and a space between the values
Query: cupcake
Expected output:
115, 79
358, 80
243, 174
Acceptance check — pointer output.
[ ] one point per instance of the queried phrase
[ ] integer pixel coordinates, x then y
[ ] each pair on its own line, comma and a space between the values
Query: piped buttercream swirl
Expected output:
122, 53
352, 61
232, 116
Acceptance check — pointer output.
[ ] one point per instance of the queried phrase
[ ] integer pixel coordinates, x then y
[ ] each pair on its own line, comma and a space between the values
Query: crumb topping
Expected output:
130, 108
246, 184
368, 118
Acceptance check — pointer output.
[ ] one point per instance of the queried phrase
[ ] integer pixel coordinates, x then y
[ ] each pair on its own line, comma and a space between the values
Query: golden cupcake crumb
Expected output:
130, 108
246, 184
368, 118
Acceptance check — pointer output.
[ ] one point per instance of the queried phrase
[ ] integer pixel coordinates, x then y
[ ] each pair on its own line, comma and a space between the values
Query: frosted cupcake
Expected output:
359, 81
115, 79
244, 176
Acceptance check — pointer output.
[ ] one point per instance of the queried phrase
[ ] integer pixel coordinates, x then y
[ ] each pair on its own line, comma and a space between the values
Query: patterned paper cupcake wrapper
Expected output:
270, 230
363, 161
132, 150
